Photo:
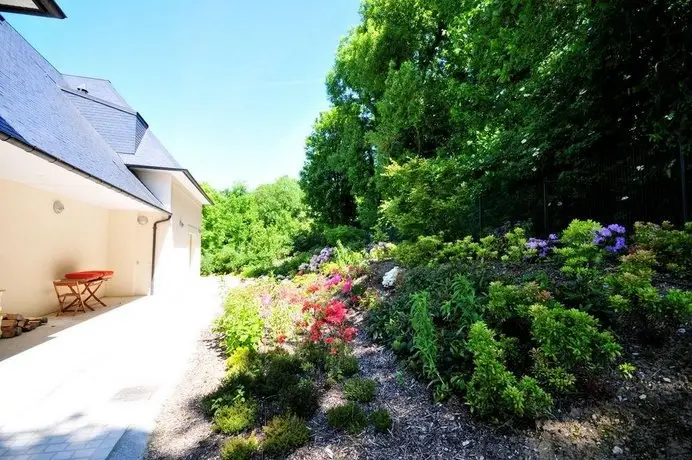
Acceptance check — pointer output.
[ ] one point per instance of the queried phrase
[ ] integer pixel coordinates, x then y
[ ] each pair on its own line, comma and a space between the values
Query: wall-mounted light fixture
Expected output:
142, 220
58, 207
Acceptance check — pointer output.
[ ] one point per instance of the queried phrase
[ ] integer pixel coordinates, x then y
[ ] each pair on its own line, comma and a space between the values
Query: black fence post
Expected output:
545, 205
683, 184
480, 215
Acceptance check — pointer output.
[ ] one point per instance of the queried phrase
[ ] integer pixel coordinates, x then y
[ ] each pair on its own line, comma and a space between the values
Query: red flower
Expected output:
350, 333
313, 288
354, 299
329, 340
333, 350
335, 313
281, 338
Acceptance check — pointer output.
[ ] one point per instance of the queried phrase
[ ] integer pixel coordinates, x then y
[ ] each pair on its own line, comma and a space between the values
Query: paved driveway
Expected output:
95, 389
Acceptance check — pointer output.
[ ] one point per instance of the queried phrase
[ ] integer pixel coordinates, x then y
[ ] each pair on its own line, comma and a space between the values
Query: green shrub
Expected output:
342, 365
515, 246
424, 339
345, 257
279, 369
232, 388
492, 389
314, 353
673, 247
507, 301
381, 420
580, 254
351, 237
349, 417
239, 448
300, 399
417, 253
237, 417
571, 338
634, 295
241, 323
243, 359
284, 434
360, 389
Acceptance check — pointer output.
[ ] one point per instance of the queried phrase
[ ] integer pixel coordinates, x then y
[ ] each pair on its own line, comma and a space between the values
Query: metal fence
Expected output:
640, 187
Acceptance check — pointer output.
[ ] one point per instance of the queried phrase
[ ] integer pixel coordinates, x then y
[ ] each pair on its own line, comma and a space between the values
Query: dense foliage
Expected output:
246, 230
513, 322
441, 108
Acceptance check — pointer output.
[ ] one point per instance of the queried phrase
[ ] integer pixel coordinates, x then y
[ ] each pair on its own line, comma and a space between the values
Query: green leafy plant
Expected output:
342, 364
424, 339
580, 254
284, 434
420, 252
241, 323
239, 448
237, 417
492, 389
349, 417
672, 247
381, 420
627, 370
360, 389
242, 360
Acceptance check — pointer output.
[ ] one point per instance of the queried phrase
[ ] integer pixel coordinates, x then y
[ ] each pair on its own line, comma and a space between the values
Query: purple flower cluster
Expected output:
543, 246
317, 260
612, 238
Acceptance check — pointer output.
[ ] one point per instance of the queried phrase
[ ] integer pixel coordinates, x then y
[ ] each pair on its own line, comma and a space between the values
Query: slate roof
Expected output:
95, 130
36, 111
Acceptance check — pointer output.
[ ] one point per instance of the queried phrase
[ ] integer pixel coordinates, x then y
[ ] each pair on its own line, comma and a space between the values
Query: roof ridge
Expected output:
98, 100
85, 76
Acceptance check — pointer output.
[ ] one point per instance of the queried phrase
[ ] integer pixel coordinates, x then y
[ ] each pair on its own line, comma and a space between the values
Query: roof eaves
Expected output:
187, 173
13, 139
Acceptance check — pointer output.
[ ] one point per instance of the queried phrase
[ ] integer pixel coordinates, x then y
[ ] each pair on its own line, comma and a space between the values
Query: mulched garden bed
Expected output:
649, 416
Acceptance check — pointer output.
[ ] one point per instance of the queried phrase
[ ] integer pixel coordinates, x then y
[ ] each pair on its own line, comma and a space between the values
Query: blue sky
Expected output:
231, 88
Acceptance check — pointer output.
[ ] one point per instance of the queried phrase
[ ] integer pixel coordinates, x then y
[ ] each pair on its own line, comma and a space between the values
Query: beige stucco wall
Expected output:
129, 252
37, 245
178, 246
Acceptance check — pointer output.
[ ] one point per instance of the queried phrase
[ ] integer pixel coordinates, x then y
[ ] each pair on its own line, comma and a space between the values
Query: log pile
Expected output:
13, 324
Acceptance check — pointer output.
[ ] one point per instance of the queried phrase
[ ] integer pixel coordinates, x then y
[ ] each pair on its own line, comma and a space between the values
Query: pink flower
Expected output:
347, 286
266, 300
281, 338
329, 340
335, 313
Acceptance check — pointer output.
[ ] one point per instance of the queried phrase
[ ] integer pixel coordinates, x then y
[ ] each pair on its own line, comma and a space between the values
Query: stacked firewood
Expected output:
13, 324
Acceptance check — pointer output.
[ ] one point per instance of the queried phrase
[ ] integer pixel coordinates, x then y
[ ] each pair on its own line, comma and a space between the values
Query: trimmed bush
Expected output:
381, 420
239, 448
243, 359
235, 418
300, 399
284, 434
360, 389
349, 417
342, 365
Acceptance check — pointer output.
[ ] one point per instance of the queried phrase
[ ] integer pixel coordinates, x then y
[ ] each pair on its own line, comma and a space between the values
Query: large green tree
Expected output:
444, 108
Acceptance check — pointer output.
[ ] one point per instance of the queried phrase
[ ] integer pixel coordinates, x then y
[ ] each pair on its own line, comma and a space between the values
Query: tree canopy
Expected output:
439, 106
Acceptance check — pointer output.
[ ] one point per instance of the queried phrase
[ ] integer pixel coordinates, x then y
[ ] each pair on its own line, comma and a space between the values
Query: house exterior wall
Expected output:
129, 252
178, 243
37, 245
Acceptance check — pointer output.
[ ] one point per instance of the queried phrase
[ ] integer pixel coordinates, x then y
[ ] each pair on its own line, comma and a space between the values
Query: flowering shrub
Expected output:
317, 260
542, 247
328, 324
611, 238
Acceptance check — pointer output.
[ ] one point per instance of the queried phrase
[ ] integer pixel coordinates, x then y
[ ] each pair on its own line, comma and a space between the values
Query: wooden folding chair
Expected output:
71, 299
